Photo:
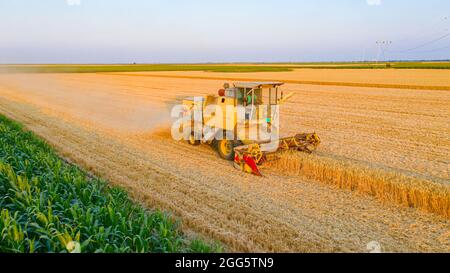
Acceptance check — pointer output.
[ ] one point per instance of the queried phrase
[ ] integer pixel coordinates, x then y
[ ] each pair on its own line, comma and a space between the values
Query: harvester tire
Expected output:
192, 140
225, 148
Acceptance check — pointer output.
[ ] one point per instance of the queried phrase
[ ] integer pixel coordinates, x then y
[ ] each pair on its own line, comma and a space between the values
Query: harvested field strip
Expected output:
347, 84
385, 185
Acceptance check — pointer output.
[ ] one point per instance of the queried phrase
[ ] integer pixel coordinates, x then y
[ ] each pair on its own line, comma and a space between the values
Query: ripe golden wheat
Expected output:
383, 184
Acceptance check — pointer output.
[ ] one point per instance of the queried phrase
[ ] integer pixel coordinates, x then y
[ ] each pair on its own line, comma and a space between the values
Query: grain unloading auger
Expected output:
231, 131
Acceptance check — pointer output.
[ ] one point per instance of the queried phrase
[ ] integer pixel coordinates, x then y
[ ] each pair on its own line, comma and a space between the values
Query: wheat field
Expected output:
377, 78
385, 185
381, 172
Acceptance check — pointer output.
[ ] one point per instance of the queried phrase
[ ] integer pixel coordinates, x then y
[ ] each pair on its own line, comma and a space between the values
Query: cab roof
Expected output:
257, 84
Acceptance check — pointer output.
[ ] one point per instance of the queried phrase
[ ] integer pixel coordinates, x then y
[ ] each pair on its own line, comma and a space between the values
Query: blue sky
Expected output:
155, 31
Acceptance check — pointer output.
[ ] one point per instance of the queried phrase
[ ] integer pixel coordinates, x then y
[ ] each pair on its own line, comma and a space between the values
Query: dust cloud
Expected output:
111, 107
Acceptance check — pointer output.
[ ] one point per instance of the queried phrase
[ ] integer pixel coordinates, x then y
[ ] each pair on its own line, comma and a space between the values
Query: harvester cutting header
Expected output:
242, 123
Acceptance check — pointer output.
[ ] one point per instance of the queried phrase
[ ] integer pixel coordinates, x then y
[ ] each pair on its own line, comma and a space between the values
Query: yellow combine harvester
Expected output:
243, 124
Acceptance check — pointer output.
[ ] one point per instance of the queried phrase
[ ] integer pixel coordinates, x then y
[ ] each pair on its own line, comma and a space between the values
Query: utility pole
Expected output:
382, 47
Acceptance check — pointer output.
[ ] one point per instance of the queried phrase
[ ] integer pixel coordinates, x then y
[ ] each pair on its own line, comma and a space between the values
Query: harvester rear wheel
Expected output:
192, 140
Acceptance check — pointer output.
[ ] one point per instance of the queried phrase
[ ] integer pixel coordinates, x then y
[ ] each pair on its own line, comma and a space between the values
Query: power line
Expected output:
423, 33
433, 26
424, 44
434, 50
430, 42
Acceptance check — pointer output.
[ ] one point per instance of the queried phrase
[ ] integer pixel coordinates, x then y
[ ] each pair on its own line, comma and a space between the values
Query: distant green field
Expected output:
241, 68
430, 65
393, 65
139, 68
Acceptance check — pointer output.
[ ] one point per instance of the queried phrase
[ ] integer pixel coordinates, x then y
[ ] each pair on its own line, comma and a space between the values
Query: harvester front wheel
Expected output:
225, 148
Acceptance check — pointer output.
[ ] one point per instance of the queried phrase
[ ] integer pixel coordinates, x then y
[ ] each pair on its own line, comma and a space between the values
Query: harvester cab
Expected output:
253, 95
241, 122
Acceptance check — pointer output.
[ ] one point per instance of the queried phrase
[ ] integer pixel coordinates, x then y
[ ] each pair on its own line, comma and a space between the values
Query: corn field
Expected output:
47, 205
